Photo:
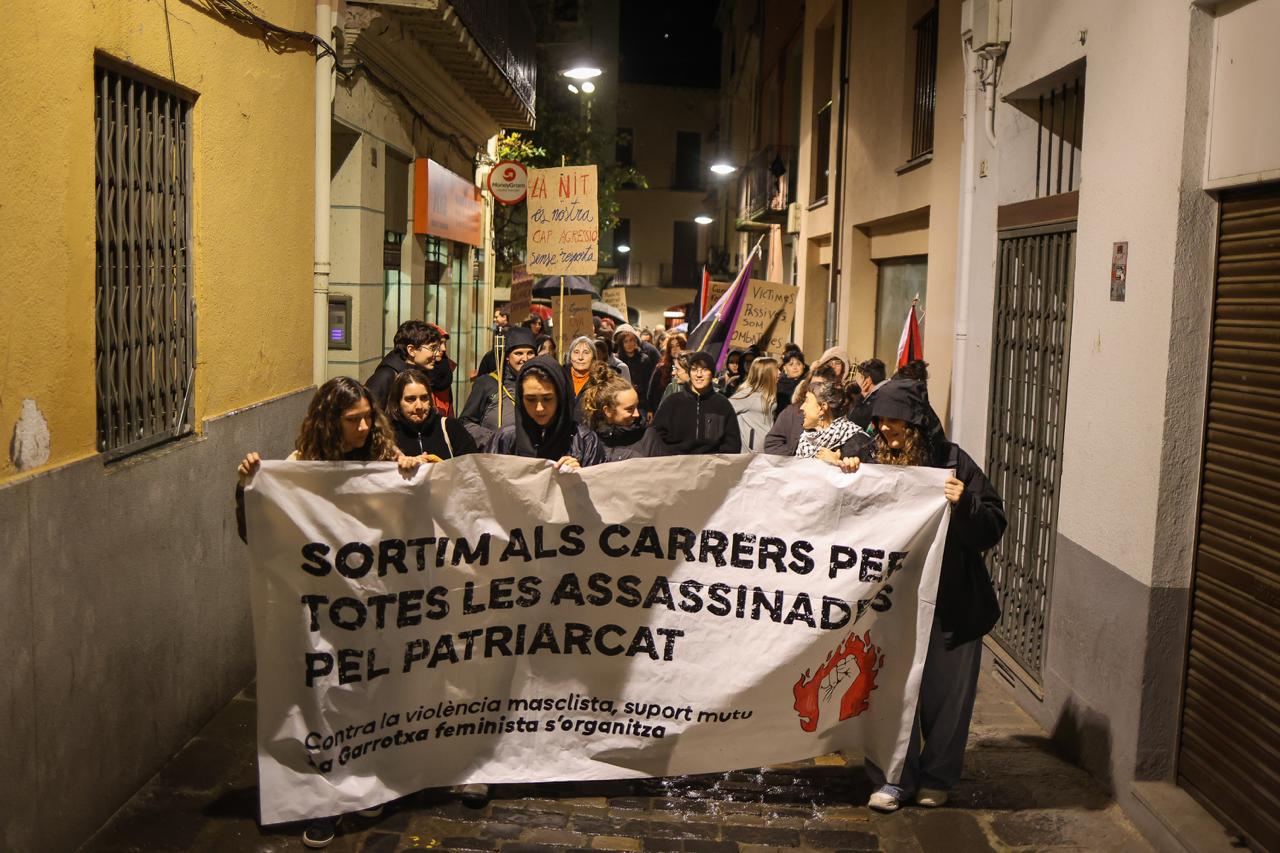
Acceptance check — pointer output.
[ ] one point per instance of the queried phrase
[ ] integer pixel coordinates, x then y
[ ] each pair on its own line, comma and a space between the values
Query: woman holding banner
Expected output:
611, 408
544, 426
421, 432
908, 432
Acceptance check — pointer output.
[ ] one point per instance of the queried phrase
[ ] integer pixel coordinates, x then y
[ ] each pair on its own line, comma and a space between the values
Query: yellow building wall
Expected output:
251, 203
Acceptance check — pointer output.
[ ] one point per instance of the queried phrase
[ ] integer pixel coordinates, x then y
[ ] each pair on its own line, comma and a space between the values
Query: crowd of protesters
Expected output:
625, 394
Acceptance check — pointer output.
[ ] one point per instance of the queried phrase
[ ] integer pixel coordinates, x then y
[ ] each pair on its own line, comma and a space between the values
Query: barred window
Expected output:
145, 352
926, 84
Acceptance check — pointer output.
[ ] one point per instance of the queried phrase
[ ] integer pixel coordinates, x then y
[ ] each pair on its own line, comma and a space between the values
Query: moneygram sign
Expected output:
509, 181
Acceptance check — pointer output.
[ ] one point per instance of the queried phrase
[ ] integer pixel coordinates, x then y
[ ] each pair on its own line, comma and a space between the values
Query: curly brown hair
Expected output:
912, 452
602, 390
320, 437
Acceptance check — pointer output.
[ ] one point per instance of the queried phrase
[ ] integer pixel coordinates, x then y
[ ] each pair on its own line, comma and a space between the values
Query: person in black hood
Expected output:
480, 414
544, 426
416, 344
421, 431
908, 432
697, 419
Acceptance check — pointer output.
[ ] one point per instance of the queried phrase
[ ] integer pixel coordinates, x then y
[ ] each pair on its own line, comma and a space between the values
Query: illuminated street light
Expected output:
573, 88
581, 72
723, 168
703, 219
623, 248
588, 86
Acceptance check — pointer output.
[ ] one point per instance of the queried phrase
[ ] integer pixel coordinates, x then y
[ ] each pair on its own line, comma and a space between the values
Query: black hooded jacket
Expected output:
428, 437
692, 423
379, 382
562, 437
967, 605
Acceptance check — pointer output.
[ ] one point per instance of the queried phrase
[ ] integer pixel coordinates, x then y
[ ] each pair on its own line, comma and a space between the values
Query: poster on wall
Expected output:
563, 226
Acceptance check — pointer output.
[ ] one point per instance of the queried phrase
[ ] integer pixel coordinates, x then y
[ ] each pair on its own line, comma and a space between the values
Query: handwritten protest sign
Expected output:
492, 620
577, 317
521, 294
615, 297
564, 227
768, 307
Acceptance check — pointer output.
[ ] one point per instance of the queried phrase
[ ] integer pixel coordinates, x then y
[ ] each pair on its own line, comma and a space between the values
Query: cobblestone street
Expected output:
1017, 794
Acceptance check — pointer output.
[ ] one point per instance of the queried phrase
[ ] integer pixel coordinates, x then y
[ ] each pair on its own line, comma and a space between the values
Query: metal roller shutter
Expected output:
1229, 757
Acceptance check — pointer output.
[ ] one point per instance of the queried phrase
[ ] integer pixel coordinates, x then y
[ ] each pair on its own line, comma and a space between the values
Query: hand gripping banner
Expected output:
490, 619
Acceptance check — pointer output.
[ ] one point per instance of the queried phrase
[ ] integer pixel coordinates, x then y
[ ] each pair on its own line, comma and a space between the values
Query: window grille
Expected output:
145, 315
1058, 139
1029, 351
926, 88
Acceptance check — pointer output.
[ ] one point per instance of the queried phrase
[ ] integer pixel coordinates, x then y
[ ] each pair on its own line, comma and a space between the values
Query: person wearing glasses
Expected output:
417, 344
698, 419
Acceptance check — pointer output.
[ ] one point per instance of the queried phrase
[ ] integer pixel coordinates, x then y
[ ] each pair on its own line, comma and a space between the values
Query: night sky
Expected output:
670, 43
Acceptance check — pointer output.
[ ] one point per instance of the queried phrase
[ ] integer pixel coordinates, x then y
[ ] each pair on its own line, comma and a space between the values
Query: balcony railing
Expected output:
768, 185
504, 30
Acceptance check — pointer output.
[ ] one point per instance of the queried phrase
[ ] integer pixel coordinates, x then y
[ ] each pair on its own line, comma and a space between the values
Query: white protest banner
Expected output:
491, 620
564, 226
768, 308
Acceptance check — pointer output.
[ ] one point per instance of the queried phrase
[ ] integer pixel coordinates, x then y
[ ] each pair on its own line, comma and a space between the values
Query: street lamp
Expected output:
581, 72
623, 248
703, 219
722, 168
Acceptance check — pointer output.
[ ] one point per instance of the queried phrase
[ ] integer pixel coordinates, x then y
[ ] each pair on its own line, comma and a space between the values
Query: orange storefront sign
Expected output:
445, 205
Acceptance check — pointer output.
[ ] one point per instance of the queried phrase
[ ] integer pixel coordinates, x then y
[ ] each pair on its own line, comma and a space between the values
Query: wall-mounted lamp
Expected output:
703, 219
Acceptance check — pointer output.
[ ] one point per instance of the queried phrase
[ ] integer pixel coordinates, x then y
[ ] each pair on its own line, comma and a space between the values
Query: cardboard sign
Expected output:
615, 297
564, 226
718, 289
446, 205
521, 294
765, 302
576, 317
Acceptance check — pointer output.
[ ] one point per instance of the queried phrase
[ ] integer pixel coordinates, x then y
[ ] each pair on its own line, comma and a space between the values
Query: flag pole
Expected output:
716, 320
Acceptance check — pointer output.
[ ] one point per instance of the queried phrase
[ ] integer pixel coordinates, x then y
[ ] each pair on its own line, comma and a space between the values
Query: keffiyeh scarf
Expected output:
835, 435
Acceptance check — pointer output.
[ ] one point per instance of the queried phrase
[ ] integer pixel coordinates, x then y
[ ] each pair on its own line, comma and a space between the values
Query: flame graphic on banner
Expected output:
835, 671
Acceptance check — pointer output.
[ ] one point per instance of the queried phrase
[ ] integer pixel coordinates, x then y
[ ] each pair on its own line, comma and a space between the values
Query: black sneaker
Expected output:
320, 833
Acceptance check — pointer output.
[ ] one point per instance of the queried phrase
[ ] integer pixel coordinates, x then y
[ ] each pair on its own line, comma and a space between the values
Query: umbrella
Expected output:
550, 286
604, 309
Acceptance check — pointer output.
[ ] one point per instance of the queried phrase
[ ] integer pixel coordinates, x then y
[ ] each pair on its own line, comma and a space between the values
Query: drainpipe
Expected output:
320, 267
833, 285
961, 346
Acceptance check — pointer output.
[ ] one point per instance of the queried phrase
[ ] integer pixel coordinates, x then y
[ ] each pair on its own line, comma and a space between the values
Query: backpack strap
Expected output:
444, 428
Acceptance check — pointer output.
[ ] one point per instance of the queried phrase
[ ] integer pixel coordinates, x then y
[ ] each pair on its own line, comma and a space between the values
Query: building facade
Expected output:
422, 93
157, 324
1115, 366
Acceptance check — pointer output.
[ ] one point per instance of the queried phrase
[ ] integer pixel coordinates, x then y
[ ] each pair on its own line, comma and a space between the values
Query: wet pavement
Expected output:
1017, 794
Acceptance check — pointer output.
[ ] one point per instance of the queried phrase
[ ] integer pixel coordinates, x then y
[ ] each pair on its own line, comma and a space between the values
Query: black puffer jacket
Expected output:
633, 442
563, 436
690, 423
967, 605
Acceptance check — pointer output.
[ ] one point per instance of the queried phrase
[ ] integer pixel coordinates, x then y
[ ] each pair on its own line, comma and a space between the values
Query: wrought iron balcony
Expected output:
768, 185
504, 30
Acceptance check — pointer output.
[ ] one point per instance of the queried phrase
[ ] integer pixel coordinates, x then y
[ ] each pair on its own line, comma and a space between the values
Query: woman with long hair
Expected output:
611, 408
544, 427
421, 432
785, 435
675, 345
754, 403
342, 424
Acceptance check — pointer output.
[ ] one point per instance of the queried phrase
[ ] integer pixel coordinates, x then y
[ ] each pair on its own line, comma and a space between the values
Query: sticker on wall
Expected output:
1119, 270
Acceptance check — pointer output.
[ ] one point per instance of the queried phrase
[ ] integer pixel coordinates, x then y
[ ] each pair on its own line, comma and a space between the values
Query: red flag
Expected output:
911, 344
704, 293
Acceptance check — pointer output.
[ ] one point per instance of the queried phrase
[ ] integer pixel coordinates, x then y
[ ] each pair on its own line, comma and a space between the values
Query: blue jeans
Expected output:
948, 688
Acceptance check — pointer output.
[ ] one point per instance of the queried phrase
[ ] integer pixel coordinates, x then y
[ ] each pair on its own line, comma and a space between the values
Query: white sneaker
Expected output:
931, 798
883, 801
